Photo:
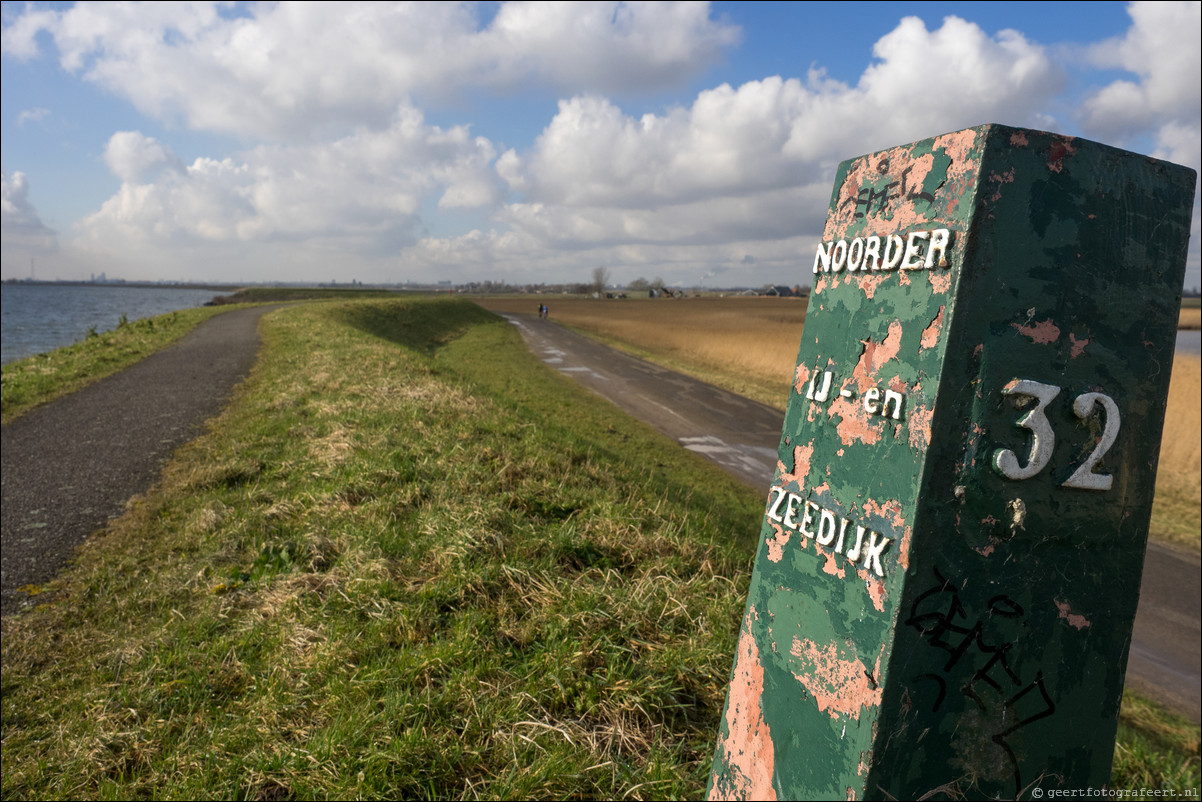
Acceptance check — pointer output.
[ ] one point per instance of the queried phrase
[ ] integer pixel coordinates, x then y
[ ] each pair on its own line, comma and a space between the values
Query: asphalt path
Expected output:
71, 465
742, 436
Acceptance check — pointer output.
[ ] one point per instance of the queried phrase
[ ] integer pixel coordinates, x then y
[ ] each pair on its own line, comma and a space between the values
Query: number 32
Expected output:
1044, 439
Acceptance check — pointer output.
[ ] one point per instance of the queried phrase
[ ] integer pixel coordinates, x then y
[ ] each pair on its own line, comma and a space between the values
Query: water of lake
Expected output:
35, 318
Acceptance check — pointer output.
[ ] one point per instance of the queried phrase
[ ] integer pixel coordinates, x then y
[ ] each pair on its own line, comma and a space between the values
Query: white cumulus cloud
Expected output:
23, 232
294, 70
360, 193
132, 156
752, 165
1163, 51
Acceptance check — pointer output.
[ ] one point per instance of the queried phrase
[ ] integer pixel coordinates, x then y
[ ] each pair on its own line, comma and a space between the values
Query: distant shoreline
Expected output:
151, 285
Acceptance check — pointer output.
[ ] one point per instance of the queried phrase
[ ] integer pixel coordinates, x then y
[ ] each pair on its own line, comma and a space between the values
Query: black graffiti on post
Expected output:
944, 623
867, 196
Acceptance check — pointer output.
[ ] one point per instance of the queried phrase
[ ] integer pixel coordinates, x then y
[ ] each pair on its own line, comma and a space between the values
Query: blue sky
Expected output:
528, 142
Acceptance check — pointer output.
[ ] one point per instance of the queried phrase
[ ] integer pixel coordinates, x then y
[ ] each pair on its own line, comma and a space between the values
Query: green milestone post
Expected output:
951, 548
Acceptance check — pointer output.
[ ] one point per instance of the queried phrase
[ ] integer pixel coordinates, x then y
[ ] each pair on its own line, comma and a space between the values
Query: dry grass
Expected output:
1191, 319
749, 345
1175, 513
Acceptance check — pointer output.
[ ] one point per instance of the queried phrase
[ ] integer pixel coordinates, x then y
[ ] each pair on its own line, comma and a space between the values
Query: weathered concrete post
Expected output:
950, 564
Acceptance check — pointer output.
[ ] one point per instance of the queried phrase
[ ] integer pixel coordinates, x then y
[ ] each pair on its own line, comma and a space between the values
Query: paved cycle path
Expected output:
742, 436
71, 465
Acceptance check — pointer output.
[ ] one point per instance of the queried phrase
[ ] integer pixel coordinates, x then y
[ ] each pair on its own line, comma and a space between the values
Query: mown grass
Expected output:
35, 380
749, 346
408, 562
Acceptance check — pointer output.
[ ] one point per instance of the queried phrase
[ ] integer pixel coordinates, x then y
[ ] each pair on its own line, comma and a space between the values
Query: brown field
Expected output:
1190, 319
749, 345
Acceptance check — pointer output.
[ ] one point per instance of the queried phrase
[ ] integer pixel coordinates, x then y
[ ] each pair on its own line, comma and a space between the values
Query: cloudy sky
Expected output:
528, 142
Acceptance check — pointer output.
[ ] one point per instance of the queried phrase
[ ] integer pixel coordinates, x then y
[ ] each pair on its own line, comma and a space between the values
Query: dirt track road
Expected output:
741, 436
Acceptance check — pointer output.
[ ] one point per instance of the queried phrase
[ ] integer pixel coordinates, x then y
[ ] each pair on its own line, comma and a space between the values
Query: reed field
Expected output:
1175, 512
1191, 314
749, 346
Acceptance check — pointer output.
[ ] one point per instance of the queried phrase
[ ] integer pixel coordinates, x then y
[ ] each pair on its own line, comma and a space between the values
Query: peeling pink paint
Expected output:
903, 549
930, 335
801, 466
838, 686
900, 213
977, 351
870, 282
999, 179
890, 510
1078, 621
1019, 139
957, 145
876, 355
875, 587
777, 543
854, 424
1061, 147
801, 378
920, 428
1077, 346
941, 282
1044, 332
832, 567
748, 750
985, 551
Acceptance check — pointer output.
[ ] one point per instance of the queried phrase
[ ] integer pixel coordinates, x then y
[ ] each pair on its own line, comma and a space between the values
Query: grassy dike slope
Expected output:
408, 561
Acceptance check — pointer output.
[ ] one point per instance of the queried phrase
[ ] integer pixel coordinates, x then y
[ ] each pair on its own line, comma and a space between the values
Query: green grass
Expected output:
35, 380
1155, 748
407, 561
